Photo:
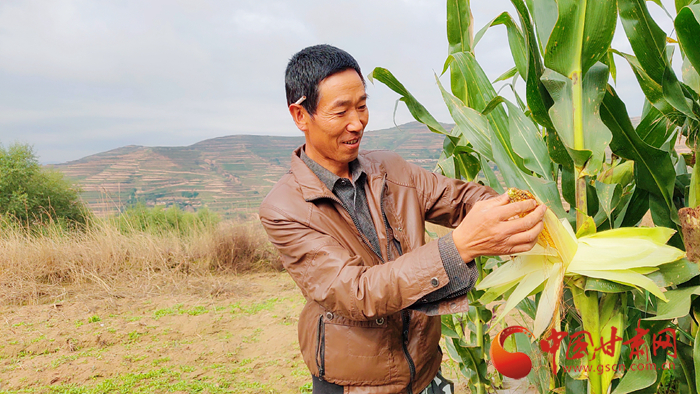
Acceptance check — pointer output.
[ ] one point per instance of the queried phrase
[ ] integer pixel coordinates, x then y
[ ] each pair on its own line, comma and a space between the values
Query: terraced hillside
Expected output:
230, 175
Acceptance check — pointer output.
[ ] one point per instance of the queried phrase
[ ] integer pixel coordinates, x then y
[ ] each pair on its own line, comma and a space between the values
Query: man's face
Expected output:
333, 134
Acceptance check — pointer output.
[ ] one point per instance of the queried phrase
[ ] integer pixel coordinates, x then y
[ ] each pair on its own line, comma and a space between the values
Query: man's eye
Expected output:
341, 113
362, 107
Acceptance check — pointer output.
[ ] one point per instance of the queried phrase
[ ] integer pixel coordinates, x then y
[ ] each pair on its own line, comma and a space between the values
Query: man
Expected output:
349, 226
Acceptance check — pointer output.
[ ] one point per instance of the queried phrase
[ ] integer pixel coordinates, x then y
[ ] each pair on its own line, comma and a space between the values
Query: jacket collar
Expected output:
313, 188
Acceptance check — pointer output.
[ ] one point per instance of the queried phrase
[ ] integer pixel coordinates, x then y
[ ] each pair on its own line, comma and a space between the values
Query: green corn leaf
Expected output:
654, 169
493, 293
469, 123
469, 166
688, 30
664, 215
448, 327
521, 103
646, 37
587, 228
674, 94
562, 114
559, 155
649, 45
568, 186
545, 15
655, 129
582, 35
636, 209
506, 75
608, 197
636, 380
419, 112
491, 177
675, 273
528, 142
678, 304
605, 286
682, 3
653, 90
460, 39
609, 60
611, 316
516, 41
538, 98
448, 167
691, 76
481, 93
545, 190
623, 207
622, 174
685, 359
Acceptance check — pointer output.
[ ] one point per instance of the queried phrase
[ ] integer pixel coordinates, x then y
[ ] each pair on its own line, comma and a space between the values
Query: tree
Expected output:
33, 194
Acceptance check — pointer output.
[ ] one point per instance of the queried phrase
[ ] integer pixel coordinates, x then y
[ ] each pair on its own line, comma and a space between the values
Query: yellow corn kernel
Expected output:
515, 195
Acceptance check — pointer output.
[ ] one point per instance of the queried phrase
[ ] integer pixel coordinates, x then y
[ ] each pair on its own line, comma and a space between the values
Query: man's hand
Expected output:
492, 227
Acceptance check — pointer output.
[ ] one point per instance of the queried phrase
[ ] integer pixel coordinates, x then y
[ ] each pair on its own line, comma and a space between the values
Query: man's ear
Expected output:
300, 116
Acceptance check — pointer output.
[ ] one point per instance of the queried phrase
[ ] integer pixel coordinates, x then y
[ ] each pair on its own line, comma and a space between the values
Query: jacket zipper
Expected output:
406, 319
386, 221
321, 348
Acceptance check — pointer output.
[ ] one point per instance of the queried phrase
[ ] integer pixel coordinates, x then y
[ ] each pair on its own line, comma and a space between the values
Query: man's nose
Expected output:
355, 123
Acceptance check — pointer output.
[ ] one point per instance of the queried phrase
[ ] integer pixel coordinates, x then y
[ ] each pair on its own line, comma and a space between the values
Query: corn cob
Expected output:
515, 195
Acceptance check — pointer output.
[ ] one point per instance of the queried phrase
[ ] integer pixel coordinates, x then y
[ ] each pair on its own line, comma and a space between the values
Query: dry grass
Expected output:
54, 264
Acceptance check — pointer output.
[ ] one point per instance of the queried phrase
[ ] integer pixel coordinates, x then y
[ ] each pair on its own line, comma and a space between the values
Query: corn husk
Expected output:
623, 255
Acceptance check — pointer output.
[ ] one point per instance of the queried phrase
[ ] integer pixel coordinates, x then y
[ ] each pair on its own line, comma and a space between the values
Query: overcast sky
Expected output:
78, 77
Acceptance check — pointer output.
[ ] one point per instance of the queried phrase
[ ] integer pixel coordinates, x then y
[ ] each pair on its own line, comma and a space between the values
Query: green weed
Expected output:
175, 310
255, 307
197, 310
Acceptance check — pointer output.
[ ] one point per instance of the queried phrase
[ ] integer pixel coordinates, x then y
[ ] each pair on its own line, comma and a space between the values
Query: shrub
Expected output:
35, 195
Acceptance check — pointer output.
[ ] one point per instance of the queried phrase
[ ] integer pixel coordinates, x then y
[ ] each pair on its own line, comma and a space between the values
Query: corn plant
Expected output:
672, 105
608, 273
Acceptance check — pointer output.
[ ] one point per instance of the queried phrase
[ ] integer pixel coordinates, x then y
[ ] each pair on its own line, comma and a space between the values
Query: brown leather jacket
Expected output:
355, 329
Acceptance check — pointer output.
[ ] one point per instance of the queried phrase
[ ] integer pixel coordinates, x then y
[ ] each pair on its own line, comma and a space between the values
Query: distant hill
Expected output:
230, 175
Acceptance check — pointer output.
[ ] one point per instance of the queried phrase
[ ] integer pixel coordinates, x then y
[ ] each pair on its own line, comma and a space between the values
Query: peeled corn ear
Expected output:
515, 195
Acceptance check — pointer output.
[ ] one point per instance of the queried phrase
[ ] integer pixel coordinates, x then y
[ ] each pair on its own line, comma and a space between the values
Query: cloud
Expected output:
78, 76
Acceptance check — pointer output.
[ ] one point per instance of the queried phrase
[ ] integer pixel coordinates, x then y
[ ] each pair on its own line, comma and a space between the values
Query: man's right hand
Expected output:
492, 228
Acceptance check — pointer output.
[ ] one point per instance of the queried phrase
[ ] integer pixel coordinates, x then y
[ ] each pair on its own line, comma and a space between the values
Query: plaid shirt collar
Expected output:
328, 178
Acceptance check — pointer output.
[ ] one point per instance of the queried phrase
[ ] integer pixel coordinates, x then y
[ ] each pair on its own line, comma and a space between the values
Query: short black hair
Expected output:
308, 67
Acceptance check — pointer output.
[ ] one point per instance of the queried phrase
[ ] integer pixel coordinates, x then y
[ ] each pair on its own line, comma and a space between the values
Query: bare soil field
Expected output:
240, 340
233, 334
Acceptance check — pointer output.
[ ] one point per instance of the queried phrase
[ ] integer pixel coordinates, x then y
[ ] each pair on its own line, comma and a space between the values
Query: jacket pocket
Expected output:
352, 352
